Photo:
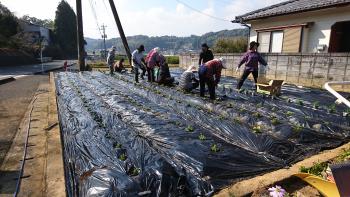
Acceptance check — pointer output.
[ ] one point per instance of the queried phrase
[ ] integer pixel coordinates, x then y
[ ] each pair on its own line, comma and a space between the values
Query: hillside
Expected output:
169, 44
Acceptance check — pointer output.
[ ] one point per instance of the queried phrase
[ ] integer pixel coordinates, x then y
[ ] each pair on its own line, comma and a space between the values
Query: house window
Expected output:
287, 40
276, 42
264, 40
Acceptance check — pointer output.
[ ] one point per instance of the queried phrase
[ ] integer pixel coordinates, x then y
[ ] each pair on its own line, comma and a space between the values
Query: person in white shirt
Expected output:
138, 62
110, 59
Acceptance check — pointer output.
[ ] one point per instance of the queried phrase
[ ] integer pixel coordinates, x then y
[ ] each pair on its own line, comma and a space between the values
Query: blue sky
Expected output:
151, 17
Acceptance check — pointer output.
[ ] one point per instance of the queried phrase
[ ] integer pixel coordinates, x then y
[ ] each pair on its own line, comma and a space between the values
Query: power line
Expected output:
95, 16
203, 13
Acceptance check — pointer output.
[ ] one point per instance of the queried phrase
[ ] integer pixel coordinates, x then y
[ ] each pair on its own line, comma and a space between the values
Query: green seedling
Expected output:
189, 128
229, 105
316, 105
122, 157
242, 110
178, 123
345, 156
332, 108
221, 117
135, 171
202, 137
259, 105
257, 129
297, 128
289, 113
307, 118
273, 109
300, 102
275, 121
117, 145
237, 120
257, 115
214, 148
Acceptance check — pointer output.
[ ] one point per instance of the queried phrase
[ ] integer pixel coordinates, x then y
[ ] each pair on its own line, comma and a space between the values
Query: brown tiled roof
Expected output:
288, 7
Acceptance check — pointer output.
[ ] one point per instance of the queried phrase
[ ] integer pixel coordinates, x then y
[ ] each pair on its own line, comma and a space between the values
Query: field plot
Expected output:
126, 139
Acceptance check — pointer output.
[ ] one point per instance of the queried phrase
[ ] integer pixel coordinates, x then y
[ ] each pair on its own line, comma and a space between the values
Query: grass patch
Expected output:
316, 169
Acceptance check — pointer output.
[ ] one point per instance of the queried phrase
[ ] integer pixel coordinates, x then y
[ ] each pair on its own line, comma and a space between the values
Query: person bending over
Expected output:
188, 81
210, 74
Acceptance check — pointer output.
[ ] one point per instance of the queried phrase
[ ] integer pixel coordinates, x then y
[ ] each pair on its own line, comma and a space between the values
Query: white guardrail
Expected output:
340, 98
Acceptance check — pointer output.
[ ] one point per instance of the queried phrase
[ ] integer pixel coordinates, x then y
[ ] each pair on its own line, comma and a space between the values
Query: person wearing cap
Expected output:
206, 54
138, 62
188, 81
210, 74
110, 59
153, 60
251, 59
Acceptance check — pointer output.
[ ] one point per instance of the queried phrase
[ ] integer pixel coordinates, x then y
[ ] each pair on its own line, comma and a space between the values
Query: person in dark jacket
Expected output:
206, 54
251, 60
210, 74
188, 81
163, 73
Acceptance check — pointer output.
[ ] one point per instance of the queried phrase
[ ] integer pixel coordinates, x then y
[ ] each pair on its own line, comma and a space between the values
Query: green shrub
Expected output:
172, 59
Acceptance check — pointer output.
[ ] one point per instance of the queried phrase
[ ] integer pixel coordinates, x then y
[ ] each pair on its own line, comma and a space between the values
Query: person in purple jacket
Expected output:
251, 60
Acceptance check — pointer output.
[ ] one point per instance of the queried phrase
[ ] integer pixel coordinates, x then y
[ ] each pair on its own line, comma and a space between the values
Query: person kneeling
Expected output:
210, 74
188, 81
163, 76
119, 66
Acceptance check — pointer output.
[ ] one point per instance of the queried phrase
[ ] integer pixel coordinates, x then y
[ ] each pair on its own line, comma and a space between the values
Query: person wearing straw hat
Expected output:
210, 74
188, 81
251, 59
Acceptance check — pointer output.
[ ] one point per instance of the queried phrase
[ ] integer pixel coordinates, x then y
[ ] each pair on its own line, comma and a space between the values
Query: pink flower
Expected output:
277, 191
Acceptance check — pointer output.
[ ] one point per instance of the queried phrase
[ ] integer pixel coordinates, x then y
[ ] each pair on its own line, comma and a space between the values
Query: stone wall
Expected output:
309, 69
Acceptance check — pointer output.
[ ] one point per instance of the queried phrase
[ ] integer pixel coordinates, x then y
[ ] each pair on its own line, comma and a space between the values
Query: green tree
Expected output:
8, 25
230, 45
65, 29
44, 23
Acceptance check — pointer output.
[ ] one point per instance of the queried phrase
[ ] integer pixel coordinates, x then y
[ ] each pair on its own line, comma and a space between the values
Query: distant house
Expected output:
306, 26
36, 31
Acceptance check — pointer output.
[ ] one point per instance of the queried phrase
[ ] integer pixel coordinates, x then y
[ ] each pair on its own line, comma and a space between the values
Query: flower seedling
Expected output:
122, 157
214, 148
189, 128
297, 128
135, 171
117, 145
237, 120
300, 102
229, 105
257, 115
332, 108
277, 191
221, 117
257, 129
316, 105
289, 113
202, 137
275, 121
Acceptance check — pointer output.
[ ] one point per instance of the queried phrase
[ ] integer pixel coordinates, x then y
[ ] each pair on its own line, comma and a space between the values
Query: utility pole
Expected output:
104, 36
80, 37
120, 29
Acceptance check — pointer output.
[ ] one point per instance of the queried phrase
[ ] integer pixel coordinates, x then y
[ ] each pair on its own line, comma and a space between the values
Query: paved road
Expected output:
22, 71
14, 100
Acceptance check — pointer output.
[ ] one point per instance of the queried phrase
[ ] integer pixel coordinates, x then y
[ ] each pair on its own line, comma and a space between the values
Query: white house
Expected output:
36, 30
301, 26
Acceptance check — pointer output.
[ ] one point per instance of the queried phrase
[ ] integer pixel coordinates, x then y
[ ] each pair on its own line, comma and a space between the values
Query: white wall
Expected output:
318, 34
